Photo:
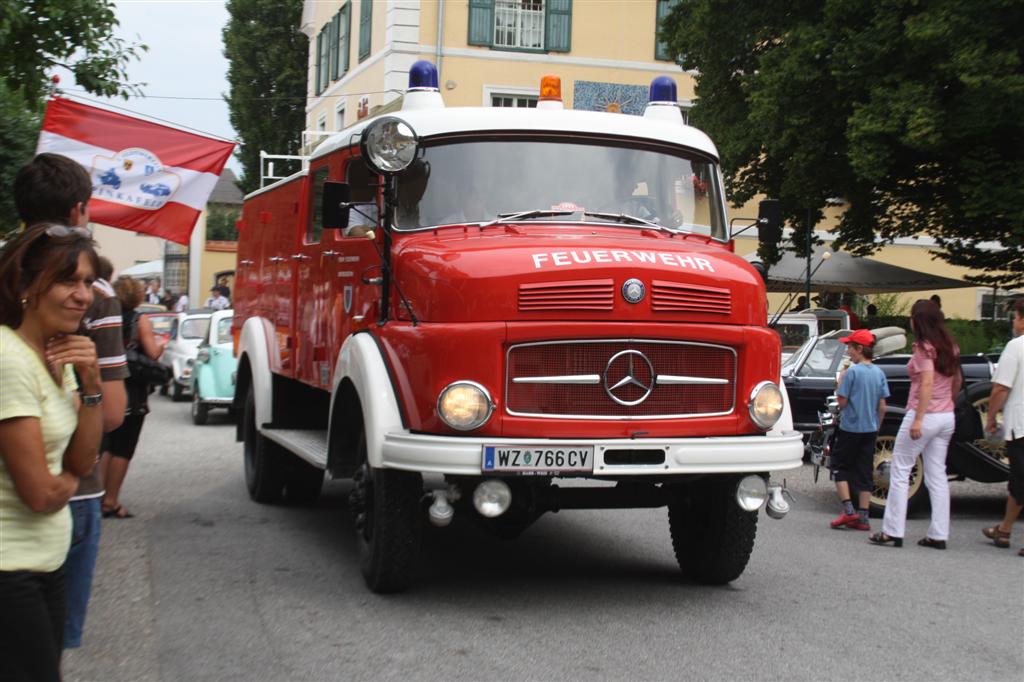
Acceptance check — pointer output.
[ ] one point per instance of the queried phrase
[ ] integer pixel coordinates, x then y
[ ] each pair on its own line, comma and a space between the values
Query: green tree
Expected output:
37, 36
267, 58
220, 224
909, 111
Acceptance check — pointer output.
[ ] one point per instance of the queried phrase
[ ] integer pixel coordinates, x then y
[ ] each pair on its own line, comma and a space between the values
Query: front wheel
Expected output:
711, 536
176, 391
388, 515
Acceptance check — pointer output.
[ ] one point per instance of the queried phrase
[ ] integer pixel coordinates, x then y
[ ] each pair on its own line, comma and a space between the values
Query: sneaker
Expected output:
858, 525
844, 520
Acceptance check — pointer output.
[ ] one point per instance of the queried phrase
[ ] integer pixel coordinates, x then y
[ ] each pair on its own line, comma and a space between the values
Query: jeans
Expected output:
80, 565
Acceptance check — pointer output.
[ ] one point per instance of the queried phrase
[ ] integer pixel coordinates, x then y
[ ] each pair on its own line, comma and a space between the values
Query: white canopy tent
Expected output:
149, 269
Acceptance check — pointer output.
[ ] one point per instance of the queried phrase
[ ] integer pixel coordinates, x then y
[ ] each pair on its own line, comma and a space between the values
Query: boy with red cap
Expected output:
862, 392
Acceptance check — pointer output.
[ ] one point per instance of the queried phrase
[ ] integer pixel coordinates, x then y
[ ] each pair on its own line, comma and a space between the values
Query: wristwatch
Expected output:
91, 399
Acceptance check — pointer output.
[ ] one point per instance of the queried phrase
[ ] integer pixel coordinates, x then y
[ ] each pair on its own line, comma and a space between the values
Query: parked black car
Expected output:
810, 378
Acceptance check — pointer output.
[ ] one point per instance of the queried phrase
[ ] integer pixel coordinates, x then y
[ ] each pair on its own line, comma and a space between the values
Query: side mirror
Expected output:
336, 197
769, 221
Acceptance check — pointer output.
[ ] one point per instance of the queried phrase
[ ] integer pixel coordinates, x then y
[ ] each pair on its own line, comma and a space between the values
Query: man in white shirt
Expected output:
1008, 396
217, 300
181, 305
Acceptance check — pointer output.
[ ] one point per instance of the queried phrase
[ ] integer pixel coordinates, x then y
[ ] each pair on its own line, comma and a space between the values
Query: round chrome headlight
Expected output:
751, 492
464, 405
389, 145
766, 404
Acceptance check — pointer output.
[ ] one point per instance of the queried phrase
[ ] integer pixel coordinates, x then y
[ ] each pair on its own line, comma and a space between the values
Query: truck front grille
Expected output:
672, 297
592, 294
620, 378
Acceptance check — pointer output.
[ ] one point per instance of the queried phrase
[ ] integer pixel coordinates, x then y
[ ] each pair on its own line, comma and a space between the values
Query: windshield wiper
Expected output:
528, 215
631, 220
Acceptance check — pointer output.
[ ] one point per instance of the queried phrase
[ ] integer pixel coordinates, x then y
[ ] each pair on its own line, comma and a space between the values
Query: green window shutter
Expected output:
365, 28
319, 64
345, 34
324, 70
660, 48
481, 22
333, 38
558, 31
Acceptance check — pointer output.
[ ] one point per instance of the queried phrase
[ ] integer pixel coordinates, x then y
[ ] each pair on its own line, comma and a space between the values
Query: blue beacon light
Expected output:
423, 76
663, 89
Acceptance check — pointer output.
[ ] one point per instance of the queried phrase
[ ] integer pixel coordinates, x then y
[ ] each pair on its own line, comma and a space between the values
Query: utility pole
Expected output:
810, 228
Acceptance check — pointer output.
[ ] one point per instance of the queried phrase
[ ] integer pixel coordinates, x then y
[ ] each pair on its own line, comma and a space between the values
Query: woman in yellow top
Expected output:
49, 435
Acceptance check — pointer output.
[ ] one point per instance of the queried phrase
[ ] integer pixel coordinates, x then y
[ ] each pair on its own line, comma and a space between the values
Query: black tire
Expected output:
303, 481
711, 536
388, 510
200, 412
264, 459
163, 389
176, 391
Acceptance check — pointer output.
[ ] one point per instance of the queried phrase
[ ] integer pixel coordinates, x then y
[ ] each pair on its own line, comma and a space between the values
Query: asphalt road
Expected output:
206, 585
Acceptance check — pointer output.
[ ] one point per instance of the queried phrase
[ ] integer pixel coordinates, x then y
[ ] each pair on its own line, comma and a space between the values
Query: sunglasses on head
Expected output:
65, 231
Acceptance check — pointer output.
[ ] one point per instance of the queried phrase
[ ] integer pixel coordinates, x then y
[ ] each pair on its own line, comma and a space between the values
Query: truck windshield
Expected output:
478, 181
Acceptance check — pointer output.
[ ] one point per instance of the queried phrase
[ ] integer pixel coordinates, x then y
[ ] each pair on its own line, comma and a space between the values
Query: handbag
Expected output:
142, 368
968, 426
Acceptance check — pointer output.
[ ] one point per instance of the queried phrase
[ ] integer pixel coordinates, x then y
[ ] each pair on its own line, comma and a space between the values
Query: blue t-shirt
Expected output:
863, 386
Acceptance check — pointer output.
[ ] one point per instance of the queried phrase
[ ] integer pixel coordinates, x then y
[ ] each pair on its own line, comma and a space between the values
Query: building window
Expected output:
339, 117
321, 123
660, 48
535, 25
365, 28
998, 311
519, 23
518, 101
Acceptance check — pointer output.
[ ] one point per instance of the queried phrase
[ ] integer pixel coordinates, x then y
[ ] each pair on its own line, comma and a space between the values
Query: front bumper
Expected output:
719, 455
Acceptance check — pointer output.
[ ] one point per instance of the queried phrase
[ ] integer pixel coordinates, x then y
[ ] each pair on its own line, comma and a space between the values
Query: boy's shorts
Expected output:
853, 459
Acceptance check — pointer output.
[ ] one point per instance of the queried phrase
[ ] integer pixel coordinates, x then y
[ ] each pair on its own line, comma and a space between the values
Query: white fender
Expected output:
257, 341
360, 362
785, 422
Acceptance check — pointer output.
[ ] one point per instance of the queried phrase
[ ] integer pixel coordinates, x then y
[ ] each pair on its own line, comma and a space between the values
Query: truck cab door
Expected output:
355, 268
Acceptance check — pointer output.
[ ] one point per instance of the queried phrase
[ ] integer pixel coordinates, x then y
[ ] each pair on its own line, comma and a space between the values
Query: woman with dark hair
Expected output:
927, 427
119, 446
49, 434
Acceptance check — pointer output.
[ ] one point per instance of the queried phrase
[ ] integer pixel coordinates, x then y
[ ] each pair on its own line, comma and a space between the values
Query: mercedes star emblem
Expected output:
633, 290
629, 368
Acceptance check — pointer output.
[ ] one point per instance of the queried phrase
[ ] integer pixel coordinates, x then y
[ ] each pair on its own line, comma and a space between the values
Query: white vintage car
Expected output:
187, 331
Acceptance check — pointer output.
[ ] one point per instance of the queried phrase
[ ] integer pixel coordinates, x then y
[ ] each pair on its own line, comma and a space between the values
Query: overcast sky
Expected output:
185, 59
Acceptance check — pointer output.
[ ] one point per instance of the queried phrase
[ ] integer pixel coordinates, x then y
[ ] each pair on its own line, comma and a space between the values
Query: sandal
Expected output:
117, 512
934, 544
999, 537
883, 539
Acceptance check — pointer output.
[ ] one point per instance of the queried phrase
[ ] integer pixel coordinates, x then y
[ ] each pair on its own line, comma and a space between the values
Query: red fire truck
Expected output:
504, 312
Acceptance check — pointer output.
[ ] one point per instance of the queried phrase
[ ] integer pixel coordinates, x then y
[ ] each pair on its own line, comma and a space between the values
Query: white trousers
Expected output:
936, 432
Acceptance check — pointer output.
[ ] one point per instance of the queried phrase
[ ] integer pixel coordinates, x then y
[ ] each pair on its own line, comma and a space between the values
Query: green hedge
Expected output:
973, 336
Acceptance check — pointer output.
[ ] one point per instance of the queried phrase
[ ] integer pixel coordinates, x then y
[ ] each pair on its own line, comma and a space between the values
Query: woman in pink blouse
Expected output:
927, 427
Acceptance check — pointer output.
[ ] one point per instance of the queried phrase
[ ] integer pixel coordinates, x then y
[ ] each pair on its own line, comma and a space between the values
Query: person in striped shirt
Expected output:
54, 188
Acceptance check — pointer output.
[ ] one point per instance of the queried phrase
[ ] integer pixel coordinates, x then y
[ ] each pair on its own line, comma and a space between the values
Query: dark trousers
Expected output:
31, 625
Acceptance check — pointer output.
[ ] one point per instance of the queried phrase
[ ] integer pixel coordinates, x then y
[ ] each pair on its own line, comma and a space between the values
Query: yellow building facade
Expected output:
494, 53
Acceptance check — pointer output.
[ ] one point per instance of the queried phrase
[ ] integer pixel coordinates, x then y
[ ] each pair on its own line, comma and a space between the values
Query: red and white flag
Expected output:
146, 177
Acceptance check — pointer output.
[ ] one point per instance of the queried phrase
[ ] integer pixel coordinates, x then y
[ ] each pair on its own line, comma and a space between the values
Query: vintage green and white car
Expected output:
214, 368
